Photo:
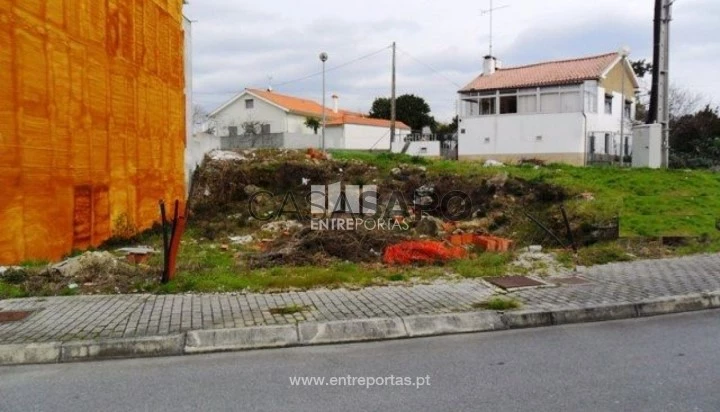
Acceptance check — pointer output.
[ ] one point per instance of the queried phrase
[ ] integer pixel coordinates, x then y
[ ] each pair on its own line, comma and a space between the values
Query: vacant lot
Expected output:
227, 249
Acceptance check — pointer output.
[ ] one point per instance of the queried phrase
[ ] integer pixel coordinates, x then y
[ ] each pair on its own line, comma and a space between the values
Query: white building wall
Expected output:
334, 137
422, 149
601, 124
236, 114
364, 137
296, 124
197, 147
522, 134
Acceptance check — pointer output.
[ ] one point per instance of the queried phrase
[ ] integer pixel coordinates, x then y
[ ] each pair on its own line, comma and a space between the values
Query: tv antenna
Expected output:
491, 11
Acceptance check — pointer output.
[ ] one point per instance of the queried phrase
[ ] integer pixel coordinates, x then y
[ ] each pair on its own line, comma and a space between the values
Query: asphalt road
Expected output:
656, 364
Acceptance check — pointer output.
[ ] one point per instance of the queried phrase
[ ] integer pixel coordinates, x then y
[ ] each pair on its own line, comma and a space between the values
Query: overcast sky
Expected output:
238, 44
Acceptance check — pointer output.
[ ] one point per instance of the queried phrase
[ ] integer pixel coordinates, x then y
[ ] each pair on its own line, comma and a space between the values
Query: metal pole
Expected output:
622, 114
665, 73
323, 104
323, 58
393, 102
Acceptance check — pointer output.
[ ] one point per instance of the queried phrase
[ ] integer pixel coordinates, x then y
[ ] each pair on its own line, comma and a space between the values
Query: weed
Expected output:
288, 310
483, 265
499, 304
602, 253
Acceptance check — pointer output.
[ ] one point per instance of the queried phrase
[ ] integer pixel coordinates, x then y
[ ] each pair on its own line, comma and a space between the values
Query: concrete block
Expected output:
664, 306
352, 330
215, 340
428, 325
713, 300
595, 313
30, 353
527, 319
123, 348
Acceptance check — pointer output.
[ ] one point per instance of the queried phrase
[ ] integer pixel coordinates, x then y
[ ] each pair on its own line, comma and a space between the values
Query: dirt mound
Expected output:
310, 247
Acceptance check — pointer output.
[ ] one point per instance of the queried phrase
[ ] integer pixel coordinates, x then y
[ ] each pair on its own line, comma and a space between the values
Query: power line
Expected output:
436, 71
309, 76
337, 67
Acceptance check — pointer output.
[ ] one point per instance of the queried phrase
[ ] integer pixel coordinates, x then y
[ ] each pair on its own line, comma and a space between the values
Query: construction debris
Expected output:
494, 163
241, 240
421, 252
224, 155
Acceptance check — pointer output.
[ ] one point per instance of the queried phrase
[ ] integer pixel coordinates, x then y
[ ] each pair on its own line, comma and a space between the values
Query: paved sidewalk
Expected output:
64, 319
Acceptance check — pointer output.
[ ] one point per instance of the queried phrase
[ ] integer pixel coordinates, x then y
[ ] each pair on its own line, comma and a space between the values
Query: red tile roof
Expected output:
305, 107
553, 73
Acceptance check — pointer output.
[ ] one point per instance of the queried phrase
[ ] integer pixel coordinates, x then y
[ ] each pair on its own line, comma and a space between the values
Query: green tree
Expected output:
641, 67
695, 139
312, 123
450, 128
410, 109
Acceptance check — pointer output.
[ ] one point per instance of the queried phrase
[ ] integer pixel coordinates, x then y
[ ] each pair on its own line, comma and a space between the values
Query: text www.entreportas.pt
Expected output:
361, 381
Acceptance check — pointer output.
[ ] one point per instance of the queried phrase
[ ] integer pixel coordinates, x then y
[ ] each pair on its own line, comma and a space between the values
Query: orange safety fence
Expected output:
92, 121
422, 251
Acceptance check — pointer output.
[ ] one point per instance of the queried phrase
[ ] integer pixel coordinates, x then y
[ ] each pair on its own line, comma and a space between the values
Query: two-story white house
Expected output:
271, 113
569, 111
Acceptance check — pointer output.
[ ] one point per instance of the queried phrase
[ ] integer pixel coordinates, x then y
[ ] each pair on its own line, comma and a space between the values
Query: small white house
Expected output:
272, 114
570, 111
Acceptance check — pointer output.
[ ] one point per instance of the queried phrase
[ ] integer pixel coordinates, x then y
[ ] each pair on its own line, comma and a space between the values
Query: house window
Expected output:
550, 102
627, 146
608, 104
570, 102
487, 106
527, 104
249, 103
591, 102
508, 104
232, 130
265, 129
608, 143
628, 109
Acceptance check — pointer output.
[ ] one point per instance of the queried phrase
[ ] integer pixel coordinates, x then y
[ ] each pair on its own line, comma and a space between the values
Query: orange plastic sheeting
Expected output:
92, 120
424, 251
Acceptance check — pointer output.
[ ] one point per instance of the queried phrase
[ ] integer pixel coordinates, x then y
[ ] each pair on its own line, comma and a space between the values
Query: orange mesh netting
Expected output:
423, 251
92, 128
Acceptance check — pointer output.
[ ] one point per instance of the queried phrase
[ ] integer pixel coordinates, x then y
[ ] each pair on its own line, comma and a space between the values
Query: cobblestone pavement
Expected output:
92, 317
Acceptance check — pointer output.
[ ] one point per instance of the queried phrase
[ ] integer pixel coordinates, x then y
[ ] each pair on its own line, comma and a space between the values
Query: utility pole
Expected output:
393, 96
660, 97
665, 79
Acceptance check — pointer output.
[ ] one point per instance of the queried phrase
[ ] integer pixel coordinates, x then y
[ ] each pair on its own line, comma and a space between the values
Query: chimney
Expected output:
489, 65
336, 100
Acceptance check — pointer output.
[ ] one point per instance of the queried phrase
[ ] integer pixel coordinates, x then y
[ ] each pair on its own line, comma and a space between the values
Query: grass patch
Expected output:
483, 265
288, 310
603, 253
499, 304
8, 291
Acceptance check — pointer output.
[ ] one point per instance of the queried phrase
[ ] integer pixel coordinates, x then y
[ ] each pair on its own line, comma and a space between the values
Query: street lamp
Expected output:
323, 59
624, 52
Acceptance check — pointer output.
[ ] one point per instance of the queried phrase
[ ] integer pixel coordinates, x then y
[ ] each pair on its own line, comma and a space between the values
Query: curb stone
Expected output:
432, 325
123, 348
30, 353
356, 330
258, 337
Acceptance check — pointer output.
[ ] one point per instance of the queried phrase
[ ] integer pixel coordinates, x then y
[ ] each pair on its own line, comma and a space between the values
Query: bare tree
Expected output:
199, 116
684, 101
